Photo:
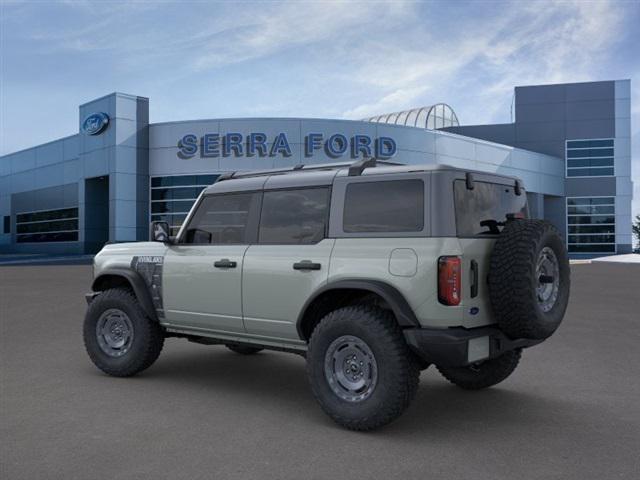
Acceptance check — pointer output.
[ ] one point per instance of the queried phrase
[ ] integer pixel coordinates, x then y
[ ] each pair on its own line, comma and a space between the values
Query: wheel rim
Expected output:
350, 368
114, 331
548, 279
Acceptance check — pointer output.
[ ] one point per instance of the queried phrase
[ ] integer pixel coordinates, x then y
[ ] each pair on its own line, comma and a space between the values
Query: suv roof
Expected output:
323, 174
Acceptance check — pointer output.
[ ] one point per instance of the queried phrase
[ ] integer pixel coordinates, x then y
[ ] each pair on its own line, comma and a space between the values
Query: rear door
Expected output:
202, 278
289, 262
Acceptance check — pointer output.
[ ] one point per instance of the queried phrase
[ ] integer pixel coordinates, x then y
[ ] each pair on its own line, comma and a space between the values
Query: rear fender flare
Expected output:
401, 309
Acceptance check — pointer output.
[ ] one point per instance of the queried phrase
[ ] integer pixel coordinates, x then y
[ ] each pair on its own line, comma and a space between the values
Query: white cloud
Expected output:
394, 101
260, 32
531, 42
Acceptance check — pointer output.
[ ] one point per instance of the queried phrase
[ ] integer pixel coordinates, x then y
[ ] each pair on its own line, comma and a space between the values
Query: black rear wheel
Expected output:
483, 374
361, 371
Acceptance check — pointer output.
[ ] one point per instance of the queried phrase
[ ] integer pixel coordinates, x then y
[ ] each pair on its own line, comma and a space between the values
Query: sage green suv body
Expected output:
263, 259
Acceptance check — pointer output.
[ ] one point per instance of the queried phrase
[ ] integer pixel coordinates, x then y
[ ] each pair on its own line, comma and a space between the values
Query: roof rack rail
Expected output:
296, 168
225, 176
356, 168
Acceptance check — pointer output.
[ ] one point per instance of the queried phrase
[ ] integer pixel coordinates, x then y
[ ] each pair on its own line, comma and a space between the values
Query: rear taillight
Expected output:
449, 280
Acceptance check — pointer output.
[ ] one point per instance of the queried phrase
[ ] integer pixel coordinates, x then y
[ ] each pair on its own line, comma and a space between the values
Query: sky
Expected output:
326, 59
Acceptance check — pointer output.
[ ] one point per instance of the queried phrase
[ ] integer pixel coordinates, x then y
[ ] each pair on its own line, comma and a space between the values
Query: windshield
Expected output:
484, 210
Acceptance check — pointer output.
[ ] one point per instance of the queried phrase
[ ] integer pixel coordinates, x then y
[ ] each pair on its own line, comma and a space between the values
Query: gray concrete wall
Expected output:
121, 152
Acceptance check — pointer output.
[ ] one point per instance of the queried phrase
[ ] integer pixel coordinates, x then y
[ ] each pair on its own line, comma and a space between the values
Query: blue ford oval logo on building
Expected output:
95, 123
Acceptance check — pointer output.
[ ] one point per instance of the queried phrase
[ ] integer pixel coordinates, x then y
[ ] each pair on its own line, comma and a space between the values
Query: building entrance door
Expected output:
96, 213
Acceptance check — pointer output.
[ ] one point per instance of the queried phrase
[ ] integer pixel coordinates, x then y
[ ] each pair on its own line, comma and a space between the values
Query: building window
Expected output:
47, 226
590, 158
7, 224
172, 197
591, 225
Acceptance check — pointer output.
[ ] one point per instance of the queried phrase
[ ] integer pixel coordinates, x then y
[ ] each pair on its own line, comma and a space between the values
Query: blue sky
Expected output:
334, 59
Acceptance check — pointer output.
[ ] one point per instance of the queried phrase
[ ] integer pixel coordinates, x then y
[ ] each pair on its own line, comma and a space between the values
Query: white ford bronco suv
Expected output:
371, 272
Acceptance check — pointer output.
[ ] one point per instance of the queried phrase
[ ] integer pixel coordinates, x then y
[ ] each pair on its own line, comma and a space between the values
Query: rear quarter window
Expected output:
384, 206
483, 210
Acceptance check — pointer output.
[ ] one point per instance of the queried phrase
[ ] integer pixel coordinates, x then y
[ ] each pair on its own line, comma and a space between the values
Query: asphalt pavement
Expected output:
570, 411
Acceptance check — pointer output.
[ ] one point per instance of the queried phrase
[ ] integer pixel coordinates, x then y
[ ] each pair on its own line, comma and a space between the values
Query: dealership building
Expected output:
569, 143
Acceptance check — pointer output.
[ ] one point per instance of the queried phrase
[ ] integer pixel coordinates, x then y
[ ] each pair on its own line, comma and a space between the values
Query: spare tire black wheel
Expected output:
529, 279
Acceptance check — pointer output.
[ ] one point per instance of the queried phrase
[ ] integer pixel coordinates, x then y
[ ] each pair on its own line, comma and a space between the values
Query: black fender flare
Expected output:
396, 301
137, 283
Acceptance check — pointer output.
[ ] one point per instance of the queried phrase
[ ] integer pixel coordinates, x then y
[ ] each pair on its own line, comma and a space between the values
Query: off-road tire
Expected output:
484, 374
397, 371
148, 337
243, 349
513, 284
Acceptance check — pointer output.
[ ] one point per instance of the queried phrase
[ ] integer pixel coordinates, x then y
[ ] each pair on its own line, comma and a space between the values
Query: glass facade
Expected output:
590, 158
47, 226
173, 196
591, 225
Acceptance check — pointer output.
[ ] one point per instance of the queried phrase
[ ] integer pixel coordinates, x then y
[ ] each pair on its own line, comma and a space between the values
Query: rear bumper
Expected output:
458, 347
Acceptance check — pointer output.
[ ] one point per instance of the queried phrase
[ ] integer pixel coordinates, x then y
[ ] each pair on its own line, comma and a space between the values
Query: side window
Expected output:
223, 220
384, 206
294, 216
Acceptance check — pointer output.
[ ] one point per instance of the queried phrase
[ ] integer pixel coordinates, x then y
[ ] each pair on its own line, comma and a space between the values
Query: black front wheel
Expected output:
118, 336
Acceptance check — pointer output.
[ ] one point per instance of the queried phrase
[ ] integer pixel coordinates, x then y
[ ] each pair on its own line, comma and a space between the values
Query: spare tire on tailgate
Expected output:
529, 279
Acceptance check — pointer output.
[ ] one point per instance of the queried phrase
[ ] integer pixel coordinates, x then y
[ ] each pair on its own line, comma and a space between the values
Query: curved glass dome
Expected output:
430, 117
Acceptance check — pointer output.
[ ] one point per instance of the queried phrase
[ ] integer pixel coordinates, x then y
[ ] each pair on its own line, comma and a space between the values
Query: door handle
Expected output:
306, 265
225, 263
474, 279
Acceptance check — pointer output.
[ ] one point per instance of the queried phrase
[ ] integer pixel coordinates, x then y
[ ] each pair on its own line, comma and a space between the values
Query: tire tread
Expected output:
382, 324
148, 331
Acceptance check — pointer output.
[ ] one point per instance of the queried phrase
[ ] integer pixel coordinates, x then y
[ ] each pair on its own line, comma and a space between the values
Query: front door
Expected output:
289, 262
202, 275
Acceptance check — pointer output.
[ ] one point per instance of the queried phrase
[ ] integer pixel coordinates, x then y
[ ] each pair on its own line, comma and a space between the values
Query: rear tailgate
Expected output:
475, 292
481, 212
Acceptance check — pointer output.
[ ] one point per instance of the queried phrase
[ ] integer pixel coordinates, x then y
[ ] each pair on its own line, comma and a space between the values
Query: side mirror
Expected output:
159, 232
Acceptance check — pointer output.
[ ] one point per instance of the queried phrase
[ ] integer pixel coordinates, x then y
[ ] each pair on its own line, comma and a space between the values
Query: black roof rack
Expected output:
225, 176
356, 168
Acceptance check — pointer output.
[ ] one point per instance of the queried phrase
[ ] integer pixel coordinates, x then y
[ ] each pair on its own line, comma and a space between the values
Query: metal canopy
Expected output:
432, 117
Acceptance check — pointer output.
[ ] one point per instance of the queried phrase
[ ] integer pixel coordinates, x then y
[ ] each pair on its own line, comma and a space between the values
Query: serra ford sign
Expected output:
258, 144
